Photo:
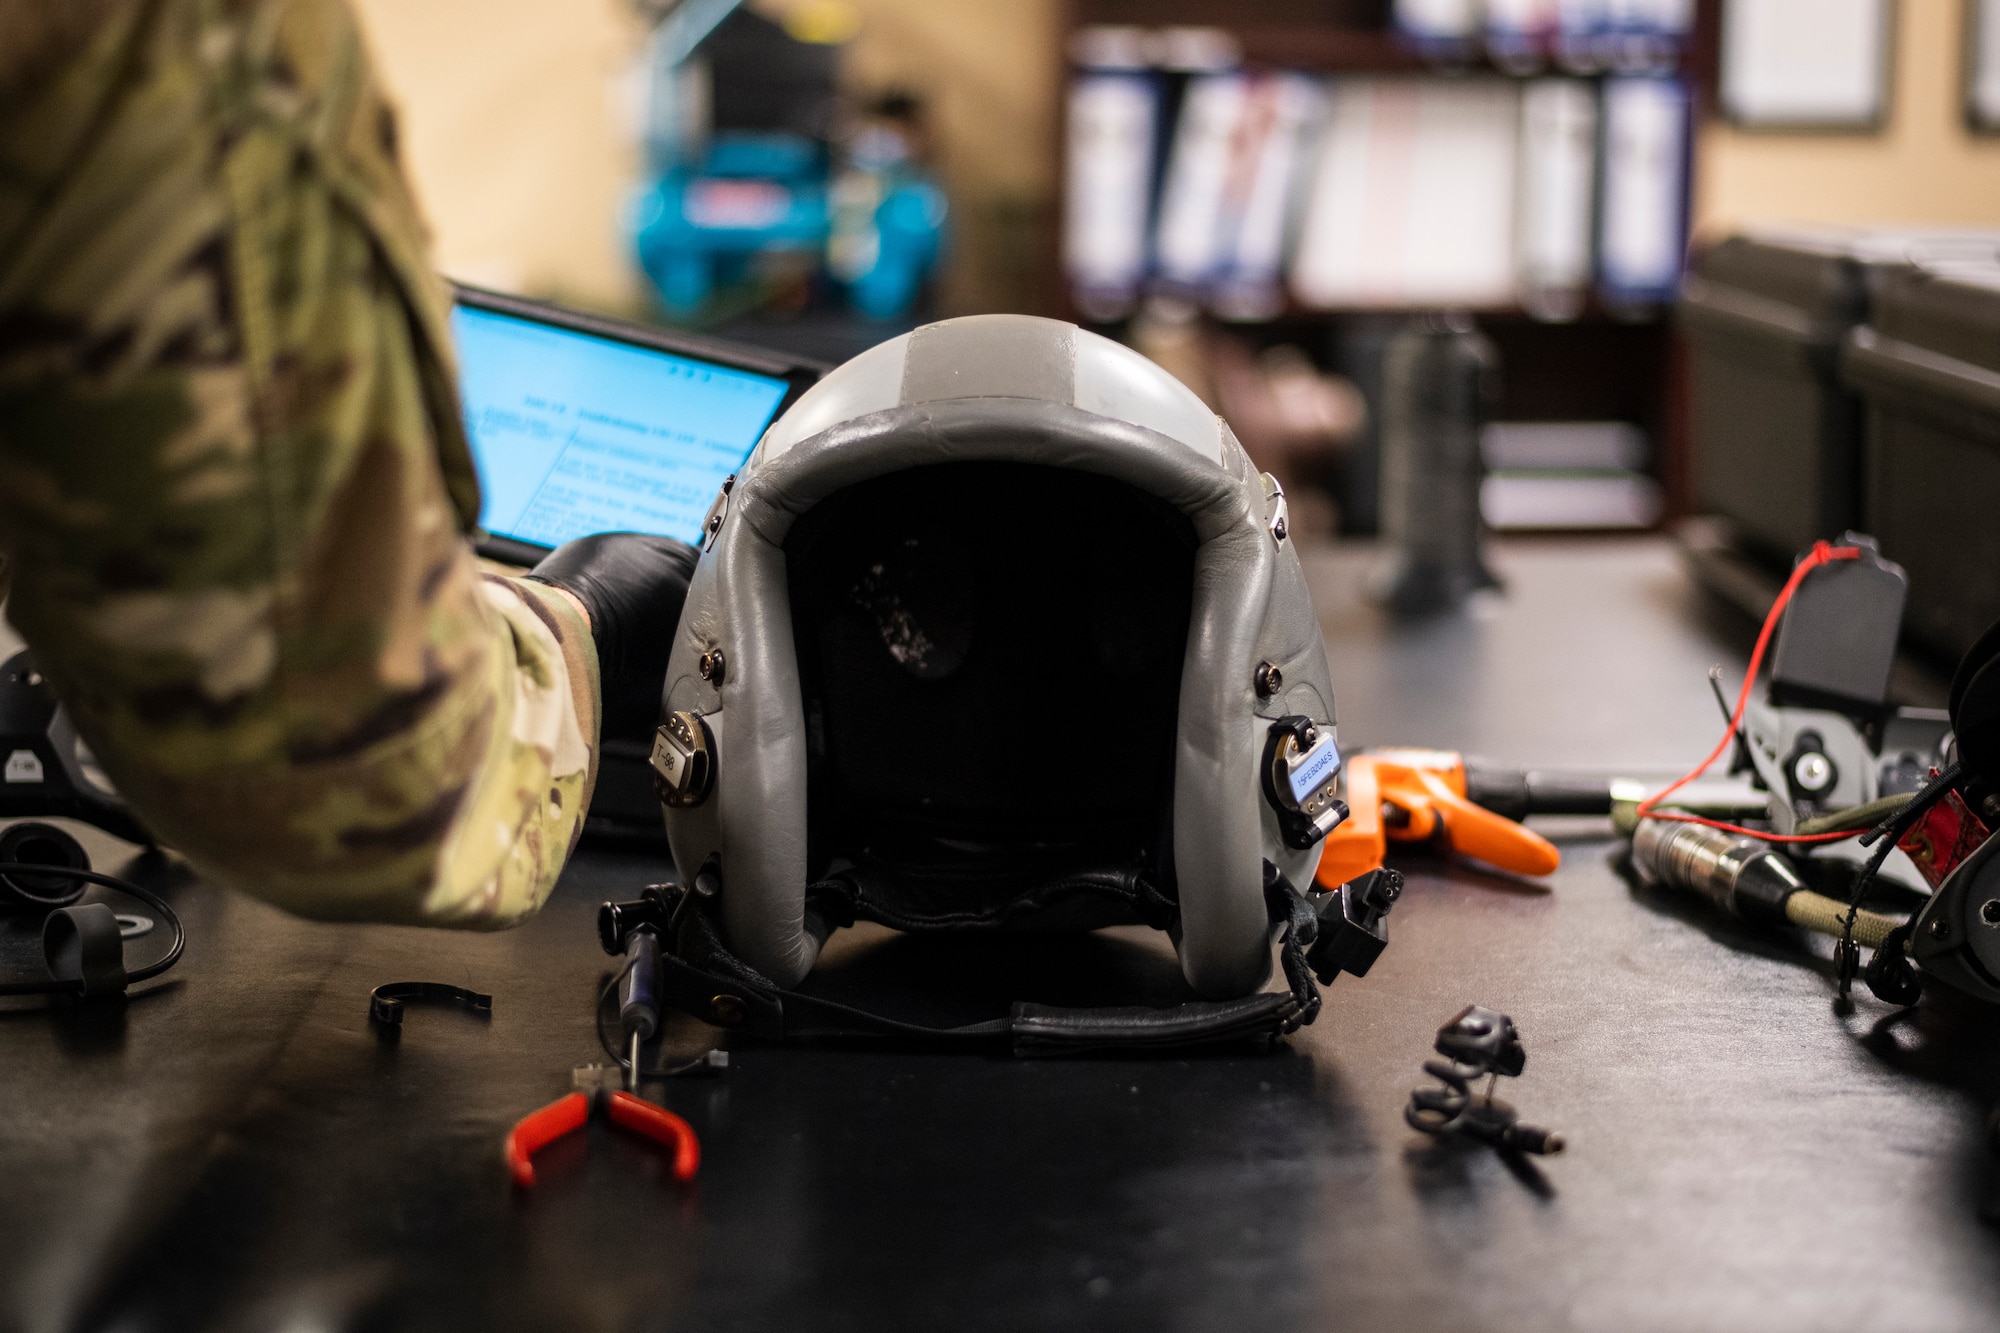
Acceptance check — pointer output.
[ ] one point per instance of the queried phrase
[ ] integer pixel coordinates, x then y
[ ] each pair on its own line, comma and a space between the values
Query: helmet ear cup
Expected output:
31, 843
1983, 652
1975, 720
1975, 708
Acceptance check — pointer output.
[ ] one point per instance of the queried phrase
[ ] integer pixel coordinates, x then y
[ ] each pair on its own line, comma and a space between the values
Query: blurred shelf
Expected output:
1357, 37
1604, 364
1595, 368
1595, 322
1352, 14
1321, 50
1594, 314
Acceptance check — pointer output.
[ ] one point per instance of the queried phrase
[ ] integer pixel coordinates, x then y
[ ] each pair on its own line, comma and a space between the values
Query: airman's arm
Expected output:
234, 487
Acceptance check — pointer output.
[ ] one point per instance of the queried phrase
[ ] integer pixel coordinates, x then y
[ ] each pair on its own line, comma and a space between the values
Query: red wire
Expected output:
1821, 554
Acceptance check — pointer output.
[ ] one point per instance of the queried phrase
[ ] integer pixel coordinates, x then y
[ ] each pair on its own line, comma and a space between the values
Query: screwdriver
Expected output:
639, 996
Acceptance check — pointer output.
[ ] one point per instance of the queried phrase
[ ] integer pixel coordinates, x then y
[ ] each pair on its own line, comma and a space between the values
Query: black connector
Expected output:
617, 921
1763, 884
1353, 924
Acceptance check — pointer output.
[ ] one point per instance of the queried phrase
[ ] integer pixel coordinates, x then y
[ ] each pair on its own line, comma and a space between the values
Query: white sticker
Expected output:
1314, 767
24, 766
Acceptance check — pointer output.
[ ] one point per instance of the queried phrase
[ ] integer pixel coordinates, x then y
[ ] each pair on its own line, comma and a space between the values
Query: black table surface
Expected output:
236, 1148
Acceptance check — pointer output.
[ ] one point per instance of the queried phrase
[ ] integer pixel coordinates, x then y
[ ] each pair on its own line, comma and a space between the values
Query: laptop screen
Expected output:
575, 434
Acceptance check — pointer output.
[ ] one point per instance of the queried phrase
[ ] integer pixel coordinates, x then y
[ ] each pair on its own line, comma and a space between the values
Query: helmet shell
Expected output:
1003, 388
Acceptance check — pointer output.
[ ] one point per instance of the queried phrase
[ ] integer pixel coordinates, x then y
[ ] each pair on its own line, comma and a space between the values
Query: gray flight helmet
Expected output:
1009, 406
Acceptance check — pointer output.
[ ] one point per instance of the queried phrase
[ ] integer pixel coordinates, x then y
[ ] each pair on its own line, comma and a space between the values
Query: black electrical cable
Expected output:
126, 887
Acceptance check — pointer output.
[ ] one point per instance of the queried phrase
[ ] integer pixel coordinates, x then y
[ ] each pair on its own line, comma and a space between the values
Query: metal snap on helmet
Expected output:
998, 627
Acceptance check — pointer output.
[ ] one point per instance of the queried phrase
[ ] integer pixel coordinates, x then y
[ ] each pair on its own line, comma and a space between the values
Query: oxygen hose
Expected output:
1747, 879
1858, 818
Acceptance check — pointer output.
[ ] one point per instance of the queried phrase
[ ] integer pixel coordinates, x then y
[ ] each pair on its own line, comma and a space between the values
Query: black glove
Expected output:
633, 586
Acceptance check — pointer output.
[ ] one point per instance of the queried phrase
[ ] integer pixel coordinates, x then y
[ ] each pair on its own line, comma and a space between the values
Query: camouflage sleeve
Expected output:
234, 486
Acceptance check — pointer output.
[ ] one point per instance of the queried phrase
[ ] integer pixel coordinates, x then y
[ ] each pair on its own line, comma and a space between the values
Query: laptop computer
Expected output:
581, 424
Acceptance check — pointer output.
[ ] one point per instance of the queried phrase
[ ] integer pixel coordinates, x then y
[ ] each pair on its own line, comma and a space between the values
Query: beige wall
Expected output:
518, 119
1923, 168
988, 72
521, 152
987, 68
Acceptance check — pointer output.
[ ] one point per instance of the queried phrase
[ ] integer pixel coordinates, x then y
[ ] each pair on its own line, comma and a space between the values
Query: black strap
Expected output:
700, 976
1042, 1030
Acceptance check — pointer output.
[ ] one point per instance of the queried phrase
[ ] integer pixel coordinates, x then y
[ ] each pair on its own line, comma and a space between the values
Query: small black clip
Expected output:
385, 1003
1477, 1043
1889, 973
1846, 966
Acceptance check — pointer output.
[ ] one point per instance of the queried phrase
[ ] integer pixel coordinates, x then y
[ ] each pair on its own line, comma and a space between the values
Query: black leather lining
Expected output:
989, 661
989, 899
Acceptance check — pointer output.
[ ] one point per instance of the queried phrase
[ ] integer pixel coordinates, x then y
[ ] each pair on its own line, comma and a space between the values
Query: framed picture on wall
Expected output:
1982, 66
1812, 65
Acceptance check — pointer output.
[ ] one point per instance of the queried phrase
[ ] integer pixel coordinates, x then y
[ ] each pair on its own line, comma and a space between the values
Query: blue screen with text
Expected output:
575, 434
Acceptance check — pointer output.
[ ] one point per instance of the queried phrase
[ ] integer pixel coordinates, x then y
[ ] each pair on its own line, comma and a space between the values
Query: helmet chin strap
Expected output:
1320, 935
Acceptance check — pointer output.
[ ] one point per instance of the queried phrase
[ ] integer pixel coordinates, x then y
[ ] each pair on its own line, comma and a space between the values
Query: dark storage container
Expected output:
1928, 366
1775, 434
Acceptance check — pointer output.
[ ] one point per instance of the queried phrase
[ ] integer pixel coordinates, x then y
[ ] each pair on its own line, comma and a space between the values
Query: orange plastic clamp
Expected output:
1473, 830
1427, 789
1355, 846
